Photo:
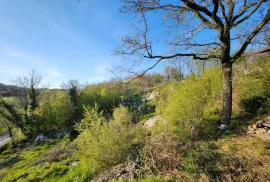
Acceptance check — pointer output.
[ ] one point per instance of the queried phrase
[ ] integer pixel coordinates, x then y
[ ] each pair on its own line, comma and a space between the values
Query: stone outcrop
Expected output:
151, 122
261, 128
153, 95
121, 171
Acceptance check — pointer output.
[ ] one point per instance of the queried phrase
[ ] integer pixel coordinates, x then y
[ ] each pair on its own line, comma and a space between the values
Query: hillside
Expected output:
10, 90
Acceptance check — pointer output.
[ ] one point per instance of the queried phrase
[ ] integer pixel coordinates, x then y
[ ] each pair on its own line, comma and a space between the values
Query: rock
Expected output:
152, 95
263, 133
40, 138
254, 126
251, 131
250, 128
152, 121
266, 125
121, 171
259, 122
223, 127
73, 163
261, 130
264, 136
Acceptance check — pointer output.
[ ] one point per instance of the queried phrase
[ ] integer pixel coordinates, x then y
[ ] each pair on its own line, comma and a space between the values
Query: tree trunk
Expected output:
227, 91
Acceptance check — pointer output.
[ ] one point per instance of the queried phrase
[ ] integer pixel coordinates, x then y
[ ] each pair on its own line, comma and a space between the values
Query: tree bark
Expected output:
227, 91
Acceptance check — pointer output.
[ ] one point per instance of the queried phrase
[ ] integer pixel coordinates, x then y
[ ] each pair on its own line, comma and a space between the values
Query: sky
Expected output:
66, 39
60, 39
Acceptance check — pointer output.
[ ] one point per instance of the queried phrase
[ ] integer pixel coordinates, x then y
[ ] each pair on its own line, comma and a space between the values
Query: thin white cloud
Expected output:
10, 53
9, 70
18, 62
101, 73
53, 73
52, 78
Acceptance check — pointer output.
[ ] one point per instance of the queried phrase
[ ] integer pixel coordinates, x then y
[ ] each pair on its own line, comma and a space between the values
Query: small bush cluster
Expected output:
104, 144
253, 88
194, 103
54, 112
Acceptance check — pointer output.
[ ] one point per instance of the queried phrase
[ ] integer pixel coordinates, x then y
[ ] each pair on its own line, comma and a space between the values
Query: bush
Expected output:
137, 105
253, 87
255, 103
160, 155
107, 95
106, 144
193, 103
92, 117
54, 111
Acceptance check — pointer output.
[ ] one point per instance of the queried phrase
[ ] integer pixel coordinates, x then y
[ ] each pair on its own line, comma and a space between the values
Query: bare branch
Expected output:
230, 11
244, 10
252, 35
195, 56
144, 72
258, 52
197, 9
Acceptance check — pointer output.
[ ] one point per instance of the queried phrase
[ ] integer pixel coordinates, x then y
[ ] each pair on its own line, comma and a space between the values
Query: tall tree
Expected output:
31, 86
198, 29
73, 87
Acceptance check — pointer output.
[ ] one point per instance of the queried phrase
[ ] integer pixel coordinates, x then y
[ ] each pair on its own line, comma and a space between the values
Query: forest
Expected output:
204, 117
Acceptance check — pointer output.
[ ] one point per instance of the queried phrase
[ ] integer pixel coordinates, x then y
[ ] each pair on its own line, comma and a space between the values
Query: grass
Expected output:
45, 162
2, 131
234, 156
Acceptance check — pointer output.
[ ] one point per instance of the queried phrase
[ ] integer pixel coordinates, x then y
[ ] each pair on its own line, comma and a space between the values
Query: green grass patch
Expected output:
46, 162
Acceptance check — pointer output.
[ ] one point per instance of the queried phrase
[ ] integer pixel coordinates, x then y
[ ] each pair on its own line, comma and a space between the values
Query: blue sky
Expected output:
67, 39
61, 39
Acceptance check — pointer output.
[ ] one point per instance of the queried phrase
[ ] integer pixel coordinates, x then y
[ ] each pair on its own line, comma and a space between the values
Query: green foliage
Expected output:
105, 144
137, 105
203, 157
3, 130
254, 88
92, 117
106, 95
11, 120
193, 102
122, 115
253, 104
54, 111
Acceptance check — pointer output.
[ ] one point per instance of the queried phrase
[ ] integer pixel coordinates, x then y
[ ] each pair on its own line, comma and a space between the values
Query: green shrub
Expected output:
202, 156
253, 104
105, 144
92, 117
54, 111
107, 95
194, 103
122, 115
253, 87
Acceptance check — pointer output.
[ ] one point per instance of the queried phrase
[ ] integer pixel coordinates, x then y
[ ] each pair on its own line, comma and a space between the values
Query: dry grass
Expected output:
238, 159
253, 158
160, 154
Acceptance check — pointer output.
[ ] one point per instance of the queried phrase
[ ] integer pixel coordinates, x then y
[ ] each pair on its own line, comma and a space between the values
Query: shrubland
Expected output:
113, 142
104, 144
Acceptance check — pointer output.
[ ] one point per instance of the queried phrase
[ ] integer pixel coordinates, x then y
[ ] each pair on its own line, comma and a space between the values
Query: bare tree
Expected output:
31, 86
232, 26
